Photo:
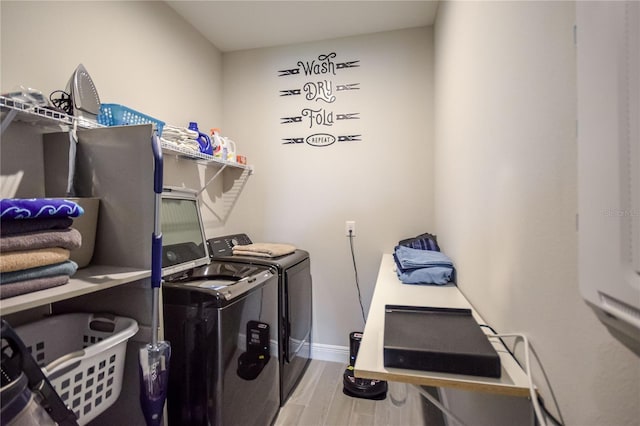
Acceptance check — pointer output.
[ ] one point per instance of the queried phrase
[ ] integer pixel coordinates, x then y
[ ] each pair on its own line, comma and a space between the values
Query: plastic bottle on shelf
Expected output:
231, 149
203, 139
220, 146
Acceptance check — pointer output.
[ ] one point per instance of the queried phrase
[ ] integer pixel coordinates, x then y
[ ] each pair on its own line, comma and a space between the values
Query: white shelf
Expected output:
123, 240
390, 291
84, 281
46, 119
114, 164
169, 148
229, 197
101, 179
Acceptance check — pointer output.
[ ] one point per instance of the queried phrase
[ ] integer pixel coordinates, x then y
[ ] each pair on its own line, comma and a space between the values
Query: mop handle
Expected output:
156, 243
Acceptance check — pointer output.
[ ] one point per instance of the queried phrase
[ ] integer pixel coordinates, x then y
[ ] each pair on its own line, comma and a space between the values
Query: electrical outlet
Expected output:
350, 225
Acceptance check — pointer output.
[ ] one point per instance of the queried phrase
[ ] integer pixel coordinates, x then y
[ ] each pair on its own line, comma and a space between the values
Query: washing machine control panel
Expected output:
229, 289
223, 246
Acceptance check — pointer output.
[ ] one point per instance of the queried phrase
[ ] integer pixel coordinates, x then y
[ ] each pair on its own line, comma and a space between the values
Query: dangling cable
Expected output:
355, 268
532, 390
550, 416
61, 100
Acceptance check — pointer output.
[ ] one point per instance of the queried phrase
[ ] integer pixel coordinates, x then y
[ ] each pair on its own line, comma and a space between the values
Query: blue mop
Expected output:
154, 357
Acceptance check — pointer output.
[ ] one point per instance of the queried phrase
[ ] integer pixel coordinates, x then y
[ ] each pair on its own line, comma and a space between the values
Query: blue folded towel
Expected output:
424, 241
34, 208
68, 267
409, 258
416, 266
434, 275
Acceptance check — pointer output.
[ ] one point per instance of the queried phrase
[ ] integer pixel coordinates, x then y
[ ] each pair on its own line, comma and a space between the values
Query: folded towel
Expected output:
24, 287
173, 132
191, 144
434, 275
16, 208
424, 241
17, 260
416, 266
183, 144
69, 239
264, 249
68, 267
12, 227
409, 258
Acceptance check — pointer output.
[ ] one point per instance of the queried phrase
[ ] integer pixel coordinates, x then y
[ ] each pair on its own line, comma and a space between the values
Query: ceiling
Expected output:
240, 25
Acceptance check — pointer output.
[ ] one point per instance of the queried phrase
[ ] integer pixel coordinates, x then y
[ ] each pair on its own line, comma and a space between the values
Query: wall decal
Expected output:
288, 120
321, 139
292, 140
341, 87
350, 116
349, 138
323, 65
318, 95
290, 92
311, 88
319, 117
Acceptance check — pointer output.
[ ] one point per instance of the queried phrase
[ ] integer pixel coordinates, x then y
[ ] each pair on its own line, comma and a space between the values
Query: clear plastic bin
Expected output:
83, 357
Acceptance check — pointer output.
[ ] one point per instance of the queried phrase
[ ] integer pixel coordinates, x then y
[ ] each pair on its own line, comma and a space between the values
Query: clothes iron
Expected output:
84, 96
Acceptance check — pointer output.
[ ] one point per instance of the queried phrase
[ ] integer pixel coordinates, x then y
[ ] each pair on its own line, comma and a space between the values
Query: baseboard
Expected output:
333, 353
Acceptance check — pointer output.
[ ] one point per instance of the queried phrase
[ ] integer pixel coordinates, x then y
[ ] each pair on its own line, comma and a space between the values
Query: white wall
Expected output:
506, 197
303, 194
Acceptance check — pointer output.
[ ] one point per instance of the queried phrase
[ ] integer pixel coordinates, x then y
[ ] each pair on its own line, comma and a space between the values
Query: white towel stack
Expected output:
181, 138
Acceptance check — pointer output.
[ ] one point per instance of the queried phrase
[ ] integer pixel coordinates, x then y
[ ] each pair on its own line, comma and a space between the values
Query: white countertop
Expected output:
390, 291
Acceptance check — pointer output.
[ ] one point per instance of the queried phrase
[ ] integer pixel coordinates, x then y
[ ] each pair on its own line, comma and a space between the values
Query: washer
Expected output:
294, 305
222, 321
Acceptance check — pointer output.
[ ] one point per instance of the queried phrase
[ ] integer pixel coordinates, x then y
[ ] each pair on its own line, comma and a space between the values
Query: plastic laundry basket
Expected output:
120, 115
83, 356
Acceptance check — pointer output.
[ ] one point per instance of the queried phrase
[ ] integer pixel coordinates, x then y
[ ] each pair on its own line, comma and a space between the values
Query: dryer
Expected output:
294, 305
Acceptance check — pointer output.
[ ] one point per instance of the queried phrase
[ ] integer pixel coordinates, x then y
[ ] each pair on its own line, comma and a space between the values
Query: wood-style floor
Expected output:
318, 400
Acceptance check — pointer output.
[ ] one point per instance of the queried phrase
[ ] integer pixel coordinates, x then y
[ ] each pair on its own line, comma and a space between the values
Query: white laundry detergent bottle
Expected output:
231, 149
218, 144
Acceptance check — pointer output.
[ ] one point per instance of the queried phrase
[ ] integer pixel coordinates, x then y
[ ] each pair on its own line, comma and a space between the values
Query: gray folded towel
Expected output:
69, 239
29, 286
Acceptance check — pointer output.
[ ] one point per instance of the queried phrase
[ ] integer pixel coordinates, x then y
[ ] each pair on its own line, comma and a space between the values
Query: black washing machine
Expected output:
294, 305
222, 322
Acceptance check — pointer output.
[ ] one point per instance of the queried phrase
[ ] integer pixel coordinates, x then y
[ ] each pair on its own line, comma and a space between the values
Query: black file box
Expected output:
444, 340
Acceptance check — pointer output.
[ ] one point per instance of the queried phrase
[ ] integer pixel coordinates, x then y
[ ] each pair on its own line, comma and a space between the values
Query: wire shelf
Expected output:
48, 119
178, 150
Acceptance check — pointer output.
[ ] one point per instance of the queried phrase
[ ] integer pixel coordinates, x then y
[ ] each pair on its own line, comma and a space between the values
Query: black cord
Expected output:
503, 343
355, 268
63, 102
548, 413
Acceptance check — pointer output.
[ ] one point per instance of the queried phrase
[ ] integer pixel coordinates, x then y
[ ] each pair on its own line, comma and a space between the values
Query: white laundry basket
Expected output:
83, 356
